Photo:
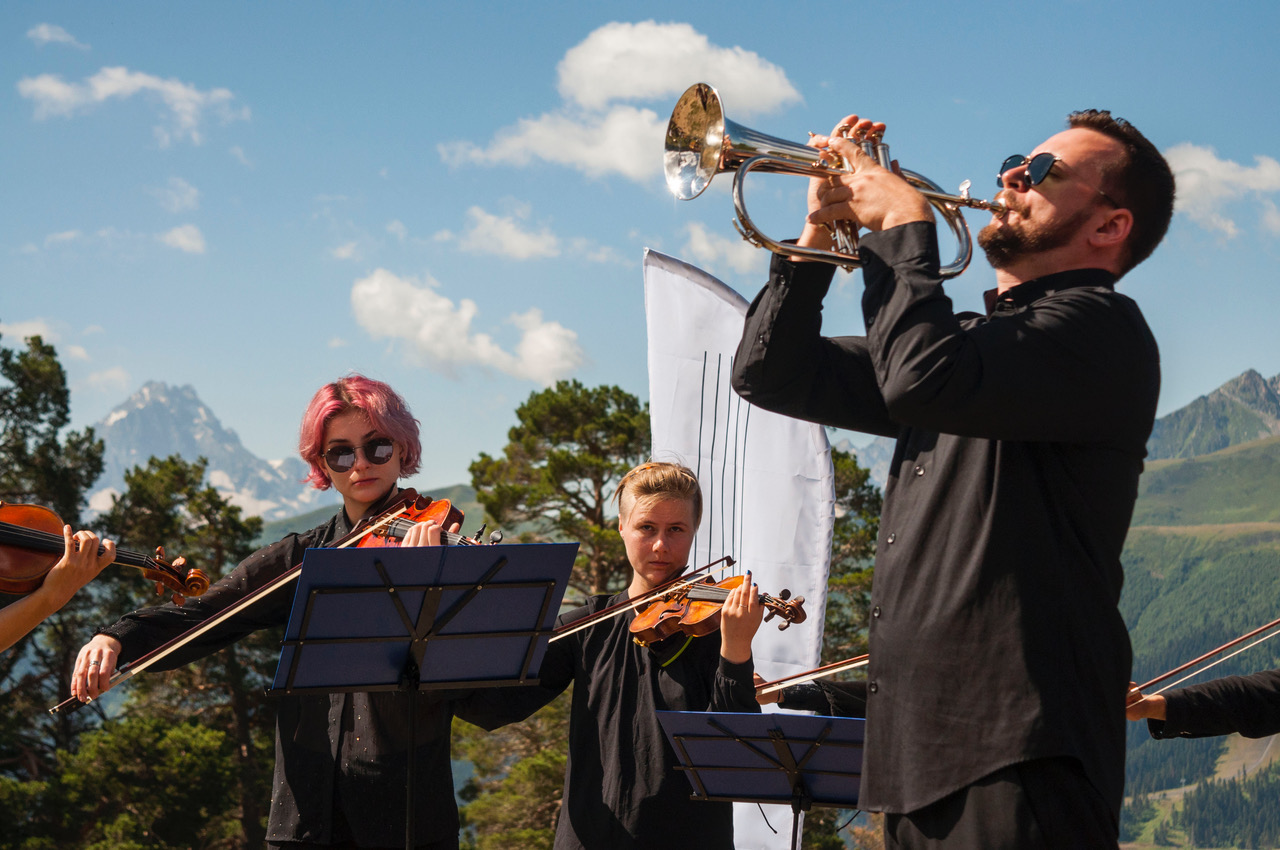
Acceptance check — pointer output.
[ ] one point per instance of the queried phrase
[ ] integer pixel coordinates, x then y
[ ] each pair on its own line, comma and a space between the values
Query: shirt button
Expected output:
892, 537
872, 687
875, 612
919, 471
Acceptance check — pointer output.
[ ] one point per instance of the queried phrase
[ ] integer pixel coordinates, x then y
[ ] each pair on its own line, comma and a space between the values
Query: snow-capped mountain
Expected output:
160, 420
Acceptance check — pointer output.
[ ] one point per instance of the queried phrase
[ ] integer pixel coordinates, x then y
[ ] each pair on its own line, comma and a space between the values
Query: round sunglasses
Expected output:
1038, 168
377, 452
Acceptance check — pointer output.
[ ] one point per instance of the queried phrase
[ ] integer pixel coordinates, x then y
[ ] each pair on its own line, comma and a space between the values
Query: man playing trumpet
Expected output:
999, 660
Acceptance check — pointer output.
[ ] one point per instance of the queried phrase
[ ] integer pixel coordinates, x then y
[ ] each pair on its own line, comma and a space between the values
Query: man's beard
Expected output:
1006, 244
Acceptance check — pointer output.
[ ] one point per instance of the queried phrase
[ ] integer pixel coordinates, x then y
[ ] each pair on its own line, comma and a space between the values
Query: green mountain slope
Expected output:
1243, 409
1240, 484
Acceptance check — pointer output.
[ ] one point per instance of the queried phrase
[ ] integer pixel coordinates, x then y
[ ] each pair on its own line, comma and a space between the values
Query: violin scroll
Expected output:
170, 575
791, 610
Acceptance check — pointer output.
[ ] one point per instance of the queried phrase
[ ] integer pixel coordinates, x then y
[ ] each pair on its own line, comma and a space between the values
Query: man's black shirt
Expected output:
995, 636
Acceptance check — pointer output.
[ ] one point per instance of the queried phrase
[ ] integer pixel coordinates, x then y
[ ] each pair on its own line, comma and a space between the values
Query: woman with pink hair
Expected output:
340, 758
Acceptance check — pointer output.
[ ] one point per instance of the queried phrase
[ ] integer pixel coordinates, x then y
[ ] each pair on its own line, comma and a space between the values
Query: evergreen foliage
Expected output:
165, 772
1239, 812
563, 460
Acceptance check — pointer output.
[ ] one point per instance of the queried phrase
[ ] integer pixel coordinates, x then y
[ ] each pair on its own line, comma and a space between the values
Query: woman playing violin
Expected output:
80, 564
621, 789
339, 757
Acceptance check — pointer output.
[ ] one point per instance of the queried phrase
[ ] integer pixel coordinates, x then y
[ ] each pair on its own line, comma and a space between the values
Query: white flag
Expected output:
767, 480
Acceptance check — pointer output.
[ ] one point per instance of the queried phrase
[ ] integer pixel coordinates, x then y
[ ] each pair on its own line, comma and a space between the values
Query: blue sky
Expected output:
257, 198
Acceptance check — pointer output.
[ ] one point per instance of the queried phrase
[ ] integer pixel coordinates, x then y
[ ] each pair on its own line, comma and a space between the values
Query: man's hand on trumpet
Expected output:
864, 194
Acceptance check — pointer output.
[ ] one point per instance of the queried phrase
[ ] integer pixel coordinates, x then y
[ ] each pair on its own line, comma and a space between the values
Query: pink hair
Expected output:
385, 409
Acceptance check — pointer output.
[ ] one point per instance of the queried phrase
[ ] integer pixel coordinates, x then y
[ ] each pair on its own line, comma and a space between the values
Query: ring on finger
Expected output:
95, 663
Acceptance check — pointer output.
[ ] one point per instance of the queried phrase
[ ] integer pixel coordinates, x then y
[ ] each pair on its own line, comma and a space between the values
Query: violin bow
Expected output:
675, 584
1136, 692
128, 671
816, 673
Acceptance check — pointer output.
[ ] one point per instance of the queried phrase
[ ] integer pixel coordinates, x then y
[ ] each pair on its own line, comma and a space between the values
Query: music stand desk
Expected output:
799, 760
421, 618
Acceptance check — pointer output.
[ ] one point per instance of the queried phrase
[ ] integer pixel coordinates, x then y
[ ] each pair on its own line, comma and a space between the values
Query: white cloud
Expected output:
653, 61
114, 378
506, 236
397, 229
625, 140
31, 327
1206, 184
1271, 217
43, 34
438, 333
598, 133
711, 250
337, 342
178, 196
594, 252
345, 251
185, 104
64, 236
14, 333
186, 238
240, 157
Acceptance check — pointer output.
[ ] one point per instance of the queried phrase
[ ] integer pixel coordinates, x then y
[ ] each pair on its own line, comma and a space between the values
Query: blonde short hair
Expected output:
658, 481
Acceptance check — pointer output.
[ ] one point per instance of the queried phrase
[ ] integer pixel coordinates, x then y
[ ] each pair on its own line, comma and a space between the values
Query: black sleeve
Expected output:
784, 364
834, 699
1249, 705
734, 688
146, 629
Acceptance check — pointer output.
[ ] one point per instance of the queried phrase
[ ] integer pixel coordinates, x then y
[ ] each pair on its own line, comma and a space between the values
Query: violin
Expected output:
390, 526
695, 610
31, 544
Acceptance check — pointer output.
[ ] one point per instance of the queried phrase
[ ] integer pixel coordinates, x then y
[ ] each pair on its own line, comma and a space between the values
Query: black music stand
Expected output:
796, 759
421, 618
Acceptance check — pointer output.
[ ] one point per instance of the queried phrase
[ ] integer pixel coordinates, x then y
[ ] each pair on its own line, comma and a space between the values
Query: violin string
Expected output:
400, 526
45, 541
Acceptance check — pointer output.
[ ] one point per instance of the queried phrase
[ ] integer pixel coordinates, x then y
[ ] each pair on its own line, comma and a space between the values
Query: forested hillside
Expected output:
1202, 566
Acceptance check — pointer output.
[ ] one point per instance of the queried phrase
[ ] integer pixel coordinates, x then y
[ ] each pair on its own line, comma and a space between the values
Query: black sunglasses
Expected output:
377, 452
1038, 168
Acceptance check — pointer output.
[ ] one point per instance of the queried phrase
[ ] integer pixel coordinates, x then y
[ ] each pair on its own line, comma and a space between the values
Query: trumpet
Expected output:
702, 143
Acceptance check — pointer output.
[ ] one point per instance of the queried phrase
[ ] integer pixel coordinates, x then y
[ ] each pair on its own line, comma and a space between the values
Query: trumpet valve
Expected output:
748, 236
964, 189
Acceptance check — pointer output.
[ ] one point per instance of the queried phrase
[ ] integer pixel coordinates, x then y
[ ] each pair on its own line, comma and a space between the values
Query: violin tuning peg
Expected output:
782, 627
159, 589
784, 594
769, 615
495, 537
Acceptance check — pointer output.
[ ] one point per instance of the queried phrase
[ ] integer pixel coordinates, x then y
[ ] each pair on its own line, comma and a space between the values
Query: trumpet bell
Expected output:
702, 143
695, 142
